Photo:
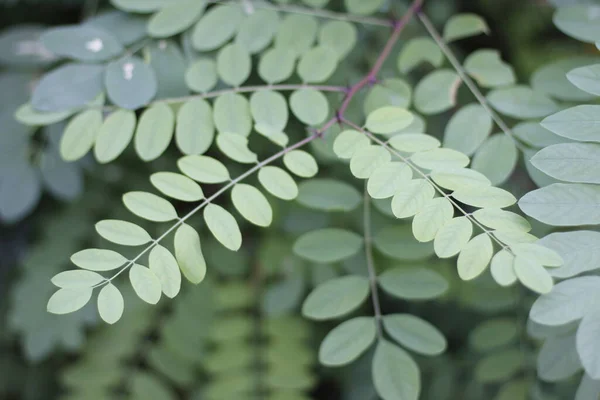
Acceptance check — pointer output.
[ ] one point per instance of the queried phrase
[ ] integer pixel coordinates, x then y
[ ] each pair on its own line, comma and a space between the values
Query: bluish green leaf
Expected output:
297, 32
363, 7
336, 298
396, 375
30, 117
175, 18
389, 92
496, 158
578, 250
521, 102
328, 195
440, 159
414, 142
415, 333
468, 129
578, 123
217, 26
418, 51
328, 245
461, 26
488, 69
551, 79
130, 83
81, 42
201, 75
501, 220
537, 253
317, 64
413, 283
346, 342
276, 64
586, 78
587, 344
270, 111
257, 30
340, 36
233, 64
436, 92
458, 178
570, 162
579, 22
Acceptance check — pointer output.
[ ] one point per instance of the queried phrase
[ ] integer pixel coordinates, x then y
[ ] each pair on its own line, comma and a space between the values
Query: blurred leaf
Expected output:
346, 342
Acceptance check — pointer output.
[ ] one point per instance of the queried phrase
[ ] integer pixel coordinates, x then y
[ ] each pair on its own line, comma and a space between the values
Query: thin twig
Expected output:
370, 262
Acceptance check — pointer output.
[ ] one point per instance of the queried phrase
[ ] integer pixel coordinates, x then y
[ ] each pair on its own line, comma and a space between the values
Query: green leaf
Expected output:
270, 111
414, 142
297, 32
501, 220
339, 36
458, 178
30, 117
235, 147
533, 275
468, 129
485, 197
500, 366
223, 226
149, 206
521, 102
570, 162
175, 18
140, 6
145, 284
388, 119
177, 186
562, 204
276, 64
346, 342
328, 195
98, 259
114, 135
348, 142
475, 257
36, 56
588, 388
19, 193
551, 79
387, 179
77, 279
578, 250
217, 26
418, 51
317, 64
278, 182
488, 69
195, 129
122, 232
336, 298
579, 22
413, 283
301, 163
496, 158
462, 26
363, 7
586, 78
538, 254
395, 373
310, 106
328, 245
578, 123
203, 169
80, 134
437, 159
233, 64
412, 198
162, 263
365, 161
452, 237
415, 333
502, 268
232, 114
126, 27
390, 92
201, 75
169, 64
436, 92
154, 131
587, 344
534, 135
81, 42
493, 334
257, 30
130, 83
110, 304
512, 237
397, 241
252, 204
431, 218
558, 359
65, 301
189, 254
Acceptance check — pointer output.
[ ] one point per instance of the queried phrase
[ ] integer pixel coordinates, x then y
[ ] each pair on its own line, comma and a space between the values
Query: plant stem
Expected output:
370, 262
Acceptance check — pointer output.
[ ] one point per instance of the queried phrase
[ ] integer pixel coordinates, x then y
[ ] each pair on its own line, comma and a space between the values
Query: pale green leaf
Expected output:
252, 204
177, 186
414, 142
203, 169
496, 158
413, 283
348, 142
114, 135
149, 206
363, 7
81, 42
578, 123
468, 129
535, 135
110, 304
235, 147
365, 161
122, 232
389, 92
301, 163
452, 237
270, 111
488, 69
579, 21
411, 198
189, 254
533, 275
154, 131
458, 178
175, 18
475, 257
388, 119
586, 78
232, 114
130, 82
162, 263
570, 162
502, 268
233, 64
195, 129
431, 218
76, 279
278, 182
387, 179
578, 249
485, 197
65, 301
502, 220
223, 226
139, 6
328, 245
297, 32
436, 92
587, 344
440, 159
145, 284
587, 389
98, 259
551, 79
27, 115
558, 359
201, 75
339, 36
328, 195
346, 342
538, 254
80, 134
418, 51
217, 26
512, 237
310, 106
317, 64
276, 64
499, 366
521, 102
336, 298
415, 333
462, 26
257, 30
396, 375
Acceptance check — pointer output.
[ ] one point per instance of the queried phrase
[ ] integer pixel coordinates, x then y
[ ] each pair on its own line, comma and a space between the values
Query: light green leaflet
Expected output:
175, 18
488, 69
140, 6
346, 342
395, 373
579, 22
276, 64
475, 257
562, 204
388, 119
203, 169
145, 284
76, 279
414, 142
65, 301
413, 283
463, 26
301, 163
233, 64
98, 259
154, 131
538, 254
436, 92
130, 82
328, 195
257, 30
349, 142
415, 333
252, 204
195, 129
535, 135
336, 298
418, 51
122, 232
363, 7
440, 159
500, 366
149, 206
496, 158
177, 186
521, 102
365, 161
340, 36
317, 64
551, 79
562, 348
502, 268
80, 134
485, 197
162, 263
458, 178
328, 245
578, 250
452, 237
114, 135
390, 92
201, 75
223, 226
493, 334
297, 32
217, 26
515, 237
189, 254
468, 129
278, 182
411, 198
577, 123
235, 147
232, 114
310, 106
269, 110
387, 179
110, 304
586, 78
433, 216
587, 346
570, 162
501, 220
30, 117
533, 275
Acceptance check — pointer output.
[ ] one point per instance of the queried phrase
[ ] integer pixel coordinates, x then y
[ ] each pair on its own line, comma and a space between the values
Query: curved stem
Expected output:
370, 262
